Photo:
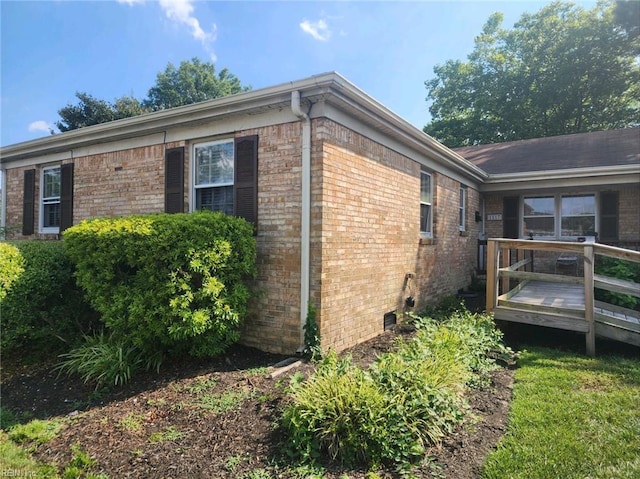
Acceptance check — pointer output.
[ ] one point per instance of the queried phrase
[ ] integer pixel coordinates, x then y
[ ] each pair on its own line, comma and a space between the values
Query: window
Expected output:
539, 216
426, 203
462, 209
578, 215
50, 200
213, 182
560, 216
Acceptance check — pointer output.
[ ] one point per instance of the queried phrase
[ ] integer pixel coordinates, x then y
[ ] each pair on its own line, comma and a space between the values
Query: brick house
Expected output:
563, 187
355, 209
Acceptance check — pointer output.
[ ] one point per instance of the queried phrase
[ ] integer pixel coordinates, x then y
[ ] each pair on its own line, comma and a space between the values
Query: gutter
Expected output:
305, 224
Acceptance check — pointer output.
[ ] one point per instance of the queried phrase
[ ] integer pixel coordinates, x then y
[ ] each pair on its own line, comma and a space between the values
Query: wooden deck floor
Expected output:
562, 306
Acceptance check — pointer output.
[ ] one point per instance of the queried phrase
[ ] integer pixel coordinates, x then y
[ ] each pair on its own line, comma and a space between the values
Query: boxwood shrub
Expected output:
43, 309
167, 284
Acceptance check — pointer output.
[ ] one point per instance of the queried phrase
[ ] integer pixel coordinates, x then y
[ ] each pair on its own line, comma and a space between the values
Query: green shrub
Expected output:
44, 309
339, 411
620, 269
11, 267
167, 283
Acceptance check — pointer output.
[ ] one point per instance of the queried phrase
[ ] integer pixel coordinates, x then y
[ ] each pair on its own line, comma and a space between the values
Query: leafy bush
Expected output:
167, 283
11, 267
44, 309
620, 269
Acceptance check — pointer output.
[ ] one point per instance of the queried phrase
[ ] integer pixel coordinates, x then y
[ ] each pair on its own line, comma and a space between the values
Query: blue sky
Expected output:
51, 49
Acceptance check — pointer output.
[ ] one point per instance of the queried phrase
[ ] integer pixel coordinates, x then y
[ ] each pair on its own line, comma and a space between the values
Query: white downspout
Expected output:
305, 225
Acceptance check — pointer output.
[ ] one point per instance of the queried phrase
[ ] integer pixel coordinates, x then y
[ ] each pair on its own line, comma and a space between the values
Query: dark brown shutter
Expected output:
608, 216
174, 180
245, 187
510, 220
66, 196
28, 202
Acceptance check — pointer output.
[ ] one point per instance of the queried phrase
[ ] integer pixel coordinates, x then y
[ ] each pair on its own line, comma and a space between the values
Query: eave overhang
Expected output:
566, 178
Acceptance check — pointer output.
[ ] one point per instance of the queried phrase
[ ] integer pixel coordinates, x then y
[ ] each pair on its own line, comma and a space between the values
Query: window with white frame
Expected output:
462, 210
578, 215
50, 199
426, 204
559, 216
539, 216
213, 176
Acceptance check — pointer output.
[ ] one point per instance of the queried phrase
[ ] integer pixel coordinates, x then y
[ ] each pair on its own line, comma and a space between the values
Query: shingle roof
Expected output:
580, 150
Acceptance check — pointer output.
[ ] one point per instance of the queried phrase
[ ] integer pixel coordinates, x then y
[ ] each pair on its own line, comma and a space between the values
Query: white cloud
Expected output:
181, 12
40, 125
318, 30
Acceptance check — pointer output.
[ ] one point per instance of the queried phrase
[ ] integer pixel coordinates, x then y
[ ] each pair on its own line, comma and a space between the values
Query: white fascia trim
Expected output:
575, 177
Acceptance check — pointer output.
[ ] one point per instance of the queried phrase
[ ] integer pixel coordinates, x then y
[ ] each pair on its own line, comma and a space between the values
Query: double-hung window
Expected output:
462, 211
578, 215
426, 204
539, 216
213, 182
50, 199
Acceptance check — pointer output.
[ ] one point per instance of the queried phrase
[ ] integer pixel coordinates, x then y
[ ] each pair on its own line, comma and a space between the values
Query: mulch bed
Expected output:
168, 426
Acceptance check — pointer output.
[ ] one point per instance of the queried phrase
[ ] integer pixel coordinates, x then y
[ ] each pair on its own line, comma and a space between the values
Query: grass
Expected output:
571, 417
228, 400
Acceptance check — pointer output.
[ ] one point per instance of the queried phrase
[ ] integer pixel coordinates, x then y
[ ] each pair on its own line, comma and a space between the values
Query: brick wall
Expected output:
366, 236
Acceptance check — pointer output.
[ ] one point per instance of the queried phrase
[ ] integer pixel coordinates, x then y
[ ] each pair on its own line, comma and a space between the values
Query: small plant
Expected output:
312, 349
227, 401
169, 434
232, 462
258, 474
80, 463
131, 422
36, 432
202, 385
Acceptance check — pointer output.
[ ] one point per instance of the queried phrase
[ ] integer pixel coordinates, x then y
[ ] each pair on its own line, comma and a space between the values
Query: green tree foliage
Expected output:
92, 111
192, 82
561, 70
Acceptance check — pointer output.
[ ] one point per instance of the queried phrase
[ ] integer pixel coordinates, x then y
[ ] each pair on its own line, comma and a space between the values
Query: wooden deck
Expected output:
558, 300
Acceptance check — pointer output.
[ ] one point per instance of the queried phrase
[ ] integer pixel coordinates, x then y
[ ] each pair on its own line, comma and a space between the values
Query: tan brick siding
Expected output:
366, 231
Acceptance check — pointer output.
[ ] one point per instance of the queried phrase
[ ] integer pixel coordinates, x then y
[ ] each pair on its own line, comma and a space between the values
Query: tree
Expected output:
92, 111
562, 70
192, 82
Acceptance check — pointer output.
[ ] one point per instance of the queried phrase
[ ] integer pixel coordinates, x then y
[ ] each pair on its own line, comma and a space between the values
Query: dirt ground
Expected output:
217, 419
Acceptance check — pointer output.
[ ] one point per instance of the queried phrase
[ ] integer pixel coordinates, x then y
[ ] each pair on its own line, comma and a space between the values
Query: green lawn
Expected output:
571, 417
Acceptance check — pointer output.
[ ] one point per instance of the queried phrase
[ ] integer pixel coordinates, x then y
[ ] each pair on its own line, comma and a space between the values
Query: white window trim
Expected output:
427, 234
557, 218
462, 209
192, 183
41, 203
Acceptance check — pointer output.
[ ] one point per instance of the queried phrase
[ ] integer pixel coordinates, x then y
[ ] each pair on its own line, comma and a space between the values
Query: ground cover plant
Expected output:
571, 417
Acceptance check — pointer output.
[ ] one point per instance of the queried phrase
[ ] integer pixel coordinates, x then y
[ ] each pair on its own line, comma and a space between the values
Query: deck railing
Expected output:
510, 268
